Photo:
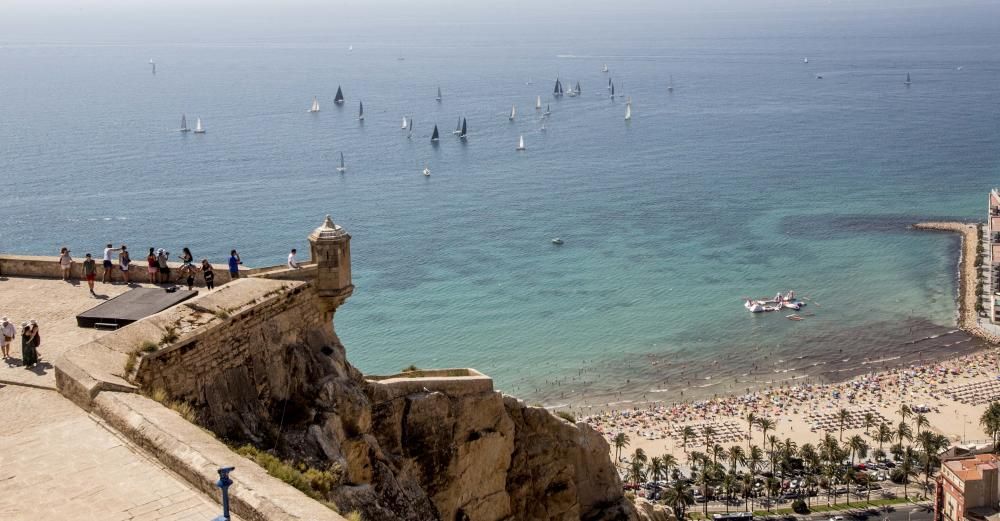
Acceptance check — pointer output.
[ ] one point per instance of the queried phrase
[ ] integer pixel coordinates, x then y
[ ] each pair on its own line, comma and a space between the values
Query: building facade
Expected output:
967, 488
992, 256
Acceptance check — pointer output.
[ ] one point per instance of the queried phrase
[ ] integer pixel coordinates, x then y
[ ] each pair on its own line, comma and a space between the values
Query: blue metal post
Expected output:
224, 483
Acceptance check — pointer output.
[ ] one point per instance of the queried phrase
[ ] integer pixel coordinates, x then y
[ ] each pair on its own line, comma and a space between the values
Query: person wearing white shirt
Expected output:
291, 260
108, 251
7, 334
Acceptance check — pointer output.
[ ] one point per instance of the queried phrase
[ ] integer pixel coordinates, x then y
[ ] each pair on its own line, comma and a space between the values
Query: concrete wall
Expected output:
452, 382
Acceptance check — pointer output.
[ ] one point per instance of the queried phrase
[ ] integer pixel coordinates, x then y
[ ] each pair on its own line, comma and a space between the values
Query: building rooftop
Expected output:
971, 469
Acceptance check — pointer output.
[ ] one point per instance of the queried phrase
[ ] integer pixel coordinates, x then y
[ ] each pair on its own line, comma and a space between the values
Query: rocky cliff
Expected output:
407, 453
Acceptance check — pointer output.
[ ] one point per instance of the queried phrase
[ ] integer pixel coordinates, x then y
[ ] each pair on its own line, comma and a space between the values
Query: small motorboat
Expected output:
427, 171
557, 241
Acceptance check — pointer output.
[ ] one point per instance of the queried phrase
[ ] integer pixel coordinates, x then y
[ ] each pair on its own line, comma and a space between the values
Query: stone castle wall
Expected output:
48, 268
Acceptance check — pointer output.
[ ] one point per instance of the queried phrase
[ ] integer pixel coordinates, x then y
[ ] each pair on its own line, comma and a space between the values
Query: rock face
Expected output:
398, 454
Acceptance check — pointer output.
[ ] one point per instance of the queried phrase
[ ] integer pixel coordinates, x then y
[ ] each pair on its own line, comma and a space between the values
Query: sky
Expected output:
175, 21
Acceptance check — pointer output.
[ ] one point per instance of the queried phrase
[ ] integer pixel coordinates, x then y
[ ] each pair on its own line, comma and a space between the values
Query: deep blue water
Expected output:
752, 176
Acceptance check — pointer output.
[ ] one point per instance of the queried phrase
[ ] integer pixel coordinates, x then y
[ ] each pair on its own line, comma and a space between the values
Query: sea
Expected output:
758, 173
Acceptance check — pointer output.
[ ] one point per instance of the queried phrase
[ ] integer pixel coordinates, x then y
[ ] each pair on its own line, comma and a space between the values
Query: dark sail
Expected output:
464, 128
558, 90
339, 98
577, 89
434, 136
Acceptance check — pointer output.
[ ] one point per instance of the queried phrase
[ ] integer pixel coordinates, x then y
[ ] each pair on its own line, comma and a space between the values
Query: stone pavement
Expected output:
54, 304
58, 462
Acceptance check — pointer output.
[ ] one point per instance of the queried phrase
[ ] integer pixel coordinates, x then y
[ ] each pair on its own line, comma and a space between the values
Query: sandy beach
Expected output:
954, 391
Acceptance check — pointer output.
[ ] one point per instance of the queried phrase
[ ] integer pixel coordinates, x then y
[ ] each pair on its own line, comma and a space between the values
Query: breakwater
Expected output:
968, 276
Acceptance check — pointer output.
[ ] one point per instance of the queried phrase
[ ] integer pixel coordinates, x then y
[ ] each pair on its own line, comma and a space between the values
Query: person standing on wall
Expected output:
65, 263
162, 257
153, 267
106, 276
124, 261
234, 265
208, 273
90, 272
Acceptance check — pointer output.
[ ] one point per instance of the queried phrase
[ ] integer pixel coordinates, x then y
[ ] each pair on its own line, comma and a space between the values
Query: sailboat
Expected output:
547, 111
907, 82
513, 112
558, 90
341, 168
628, 109
198, 128
572, 92
543, 126
434, 135
621, 89
184, 124
403, 126
670, 86
464, 130
427, 171
438, 98
458, 127
315, 105
361, 111
350, 48
605, 68
520, 143
151, 62
410, 133
339, 98
805, 60
577, 89
612, 91
538, 103
610, 85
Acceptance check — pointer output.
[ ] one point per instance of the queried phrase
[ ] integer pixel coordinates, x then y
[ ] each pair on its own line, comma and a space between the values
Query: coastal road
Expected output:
918, 512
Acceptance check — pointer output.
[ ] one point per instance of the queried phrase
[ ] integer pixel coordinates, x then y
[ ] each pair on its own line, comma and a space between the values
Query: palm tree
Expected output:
772, 454
668, 461
736, 456
636, 466
717, 451
903, 432
765, 425
747, 483
703, 480
728, 481
678, 497
869, 421
848, 477
754, 459
695, 458
904, 411
884, 434
920, 421
620, 441
930, 445
707, 431
843, 416
686, 434
751, 419
770, 483
990, 420
865, 479
906, 469
655, 468
830, 471
857, 446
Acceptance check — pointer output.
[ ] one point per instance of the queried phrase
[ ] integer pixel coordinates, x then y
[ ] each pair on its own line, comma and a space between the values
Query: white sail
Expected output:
605, 68
404, 123
538, 103
628, 110
520, 143
315, 105
198, 128
341, 168
513, 112
439, 94
427, 171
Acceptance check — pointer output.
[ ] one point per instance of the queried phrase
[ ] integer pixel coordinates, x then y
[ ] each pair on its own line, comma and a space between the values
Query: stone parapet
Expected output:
48, 268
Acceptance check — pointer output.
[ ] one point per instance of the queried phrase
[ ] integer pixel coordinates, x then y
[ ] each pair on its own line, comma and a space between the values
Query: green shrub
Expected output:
147, 346
169, 336
354, 516
133, 357
566, 415
410, 368
799, 507
312, 482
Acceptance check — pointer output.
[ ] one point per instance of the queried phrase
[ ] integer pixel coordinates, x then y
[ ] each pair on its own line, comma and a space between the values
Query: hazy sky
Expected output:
160, 21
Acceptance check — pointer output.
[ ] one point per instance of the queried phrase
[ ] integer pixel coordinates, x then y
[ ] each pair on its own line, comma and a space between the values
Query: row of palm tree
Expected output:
824, 465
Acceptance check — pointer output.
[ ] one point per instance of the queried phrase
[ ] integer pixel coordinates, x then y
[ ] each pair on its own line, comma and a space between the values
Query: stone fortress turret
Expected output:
330, 251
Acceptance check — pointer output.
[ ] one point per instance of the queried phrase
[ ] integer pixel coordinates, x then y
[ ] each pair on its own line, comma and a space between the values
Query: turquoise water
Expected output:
751, 177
